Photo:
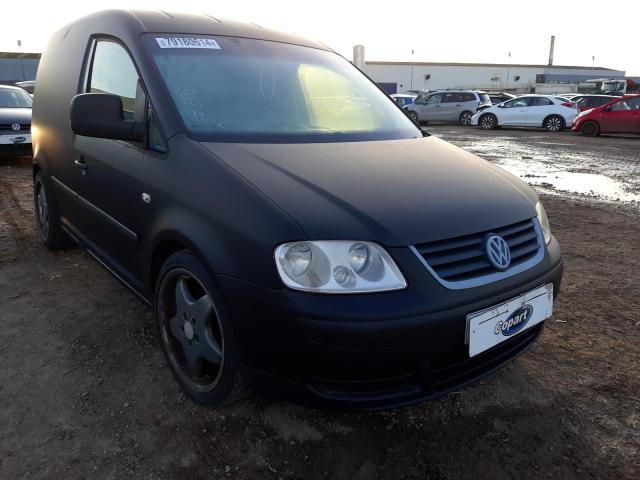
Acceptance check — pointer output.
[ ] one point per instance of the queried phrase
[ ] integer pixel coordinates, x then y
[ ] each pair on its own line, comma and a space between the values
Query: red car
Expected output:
621, 116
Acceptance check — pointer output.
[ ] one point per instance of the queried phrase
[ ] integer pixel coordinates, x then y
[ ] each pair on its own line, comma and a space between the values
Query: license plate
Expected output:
14, 139
489, 327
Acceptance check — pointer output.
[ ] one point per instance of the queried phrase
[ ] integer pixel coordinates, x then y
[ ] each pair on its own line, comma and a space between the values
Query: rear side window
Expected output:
468, 97
450, 97
539, 102
598, 101
112, 71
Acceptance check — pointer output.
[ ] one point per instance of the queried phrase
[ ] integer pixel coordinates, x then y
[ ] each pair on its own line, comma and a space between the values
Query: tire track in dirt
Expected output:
14, 217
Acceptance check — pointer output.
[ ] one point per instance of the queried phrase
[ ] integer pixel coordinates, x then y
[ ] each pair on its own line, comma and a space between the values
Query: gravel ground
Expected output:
84, 391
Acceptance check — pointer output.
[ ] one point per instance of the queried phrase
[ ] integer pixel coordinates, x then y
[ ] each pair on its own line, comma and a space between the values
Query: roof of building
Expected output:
14, 55
505, 65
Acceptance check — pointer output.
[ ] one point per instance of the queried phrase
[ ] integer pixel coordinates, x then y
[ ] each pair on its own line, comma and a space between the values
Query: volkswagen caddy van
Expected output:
285, 220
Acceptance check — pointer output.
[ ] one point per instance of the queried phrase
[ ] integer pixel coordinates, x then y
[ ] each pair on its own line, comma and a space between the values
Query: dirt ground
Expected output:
85, 393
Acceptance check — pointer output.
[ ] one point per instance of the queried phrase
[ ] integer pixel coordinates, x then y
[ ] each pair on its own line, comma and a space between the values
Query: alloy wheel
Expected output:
42, 207
191, 330
465, 119
488, 122
554, 124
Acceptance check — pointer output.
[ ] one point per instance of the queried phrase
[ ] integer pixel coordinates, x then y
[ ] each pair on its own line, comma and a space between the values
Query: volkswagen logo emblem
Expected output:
498, 252
15, 127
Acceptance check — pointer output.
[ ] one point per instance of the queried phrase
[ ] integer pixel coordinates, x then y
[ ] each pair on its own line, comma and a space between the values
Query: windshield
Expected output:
14, 98
245, 90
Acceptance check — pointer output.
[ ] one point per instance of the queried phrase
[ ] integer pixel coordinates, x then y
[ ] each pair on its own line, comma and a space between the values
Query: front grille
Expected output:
24, 128
463, 259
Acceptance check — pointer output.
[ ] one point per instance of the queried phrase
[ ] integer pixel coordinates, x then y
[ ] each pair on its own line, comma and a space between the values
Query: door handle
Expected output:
437, 106
82, 165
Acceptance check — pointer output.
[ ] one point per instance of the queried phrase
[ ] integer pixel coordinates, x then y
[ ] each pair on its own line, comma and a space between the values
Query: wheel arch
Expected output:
223, 252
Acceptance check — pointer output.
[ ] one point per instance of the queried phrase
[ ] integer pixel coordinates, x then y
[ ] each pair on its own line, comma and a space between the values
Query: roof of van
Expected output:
160, 21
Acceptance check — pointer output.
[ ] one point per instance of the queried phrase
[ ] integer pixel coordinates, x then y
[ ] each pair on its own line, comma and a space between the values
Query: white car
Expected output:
548, 111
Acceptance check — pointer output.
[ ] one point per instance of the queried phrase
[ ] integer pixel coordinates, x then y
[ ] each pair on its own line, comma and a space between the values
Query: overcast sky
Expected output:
460, 31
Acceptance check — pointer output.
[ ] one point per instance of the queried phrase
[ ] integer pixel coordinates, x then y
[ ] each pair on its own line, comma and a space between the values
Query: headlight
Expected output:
544, 222
337, 266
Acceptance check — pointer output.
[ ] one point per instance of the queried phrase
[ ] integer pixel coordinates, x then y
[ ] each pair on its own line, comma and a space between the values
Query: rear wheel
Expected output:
465, 118
46, 215
553, 123
488, 121
196, 337
590, 129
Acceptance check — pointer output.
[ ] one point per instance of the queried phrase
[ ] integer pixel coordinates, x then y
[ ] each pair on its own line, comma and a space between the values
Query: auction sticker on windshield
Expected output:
187, 42
489, 327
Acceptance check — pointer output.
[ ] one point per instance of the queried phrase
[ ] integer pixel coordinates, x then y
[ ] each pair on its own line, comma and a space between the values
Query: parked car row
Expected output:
588, 114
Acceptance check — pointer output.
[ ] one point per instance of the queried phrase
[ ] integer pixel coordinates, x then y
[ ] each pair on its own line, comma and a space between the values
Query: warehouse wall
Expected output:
408, 77
17, 69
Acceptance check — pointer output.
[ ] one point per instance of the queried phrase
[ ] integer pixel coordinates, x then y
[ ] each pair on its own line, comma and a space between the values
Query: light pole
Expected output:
508, 71
411, 88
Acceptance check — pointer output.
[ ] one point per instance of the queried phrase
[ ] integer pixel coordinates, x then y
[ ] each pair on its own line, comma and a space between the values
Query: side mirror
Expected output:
500, 106
100, 115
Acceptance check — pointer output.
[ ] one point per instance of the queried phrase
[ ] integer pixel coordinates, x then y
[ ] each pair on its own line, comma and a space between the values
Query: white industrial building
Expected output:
402, 77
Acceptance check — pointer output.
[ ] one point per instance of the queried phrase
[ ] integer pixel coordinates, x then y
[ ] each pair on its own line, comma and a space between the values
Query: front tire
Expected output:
488, 121
46, 215
197, 338
413, 116
553, 123
590, 129
465, 118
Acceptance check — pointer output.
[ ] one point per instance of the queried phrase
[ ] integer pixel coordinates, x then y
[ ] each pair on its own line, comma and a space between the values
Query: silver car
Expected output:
447, 106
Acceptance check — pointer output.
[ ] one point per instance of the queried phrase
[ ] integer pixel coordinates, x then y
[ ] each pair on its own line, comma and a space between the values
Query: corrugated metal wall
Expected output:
18, 69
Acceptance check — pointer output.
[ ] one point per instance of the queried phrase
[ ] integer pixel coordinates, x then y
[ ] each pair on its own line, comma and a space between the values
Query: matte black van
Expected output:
280, 213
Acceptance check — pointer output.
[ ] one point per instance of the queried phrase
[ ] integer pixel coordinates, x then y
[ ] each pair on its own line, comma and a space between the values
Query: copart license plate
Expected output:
489, 327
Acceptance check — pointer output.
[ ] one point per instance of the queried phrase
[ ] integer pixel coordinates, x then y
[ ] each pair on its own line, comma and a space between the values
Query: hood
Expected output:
15, 115
397, 192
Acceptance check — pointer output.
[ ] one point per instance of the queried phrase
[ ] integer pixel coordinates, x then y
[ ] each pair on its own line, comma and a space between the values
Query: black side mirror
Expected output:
101, 115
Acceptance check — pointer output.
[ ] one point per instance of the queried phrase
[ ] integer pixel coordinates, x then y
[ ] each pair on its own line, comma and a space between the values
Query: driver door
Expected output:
430, 110
111, 170
621, 117
514, 112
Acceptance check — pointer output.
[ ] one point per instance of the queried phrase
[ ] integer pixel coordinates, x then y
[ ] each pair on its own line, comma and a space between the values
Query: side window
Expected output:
620, 106
468, 97
539, 102
518, 103
450, 98
434, 99
634, 103
112, 71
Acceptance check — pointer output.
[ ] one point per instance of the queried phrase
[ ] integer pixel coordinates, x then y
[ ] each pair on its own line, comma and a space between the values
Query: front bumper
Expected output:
375, 351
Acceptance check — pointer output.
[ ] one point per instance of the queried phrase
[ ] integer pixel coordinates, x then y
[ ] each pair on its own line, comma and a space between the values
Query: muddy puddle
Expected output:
602, 168
574, 183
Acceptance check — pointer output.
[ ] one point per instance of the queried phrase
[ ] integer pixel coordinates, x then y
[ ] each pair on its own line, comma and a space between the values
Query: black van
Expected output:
280, 213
